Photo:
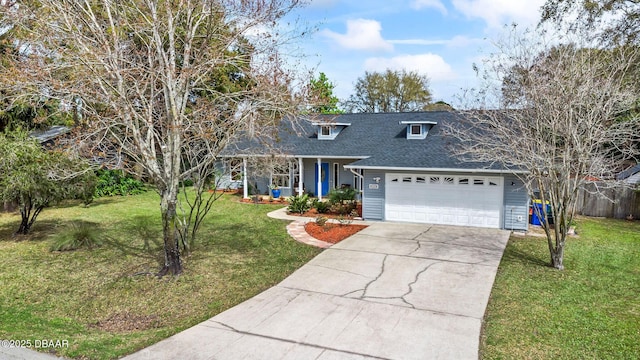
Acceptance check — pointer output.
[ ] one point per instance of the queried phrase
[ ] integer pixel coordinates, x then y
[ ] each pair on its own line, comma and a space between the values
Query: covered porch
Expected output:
292, 175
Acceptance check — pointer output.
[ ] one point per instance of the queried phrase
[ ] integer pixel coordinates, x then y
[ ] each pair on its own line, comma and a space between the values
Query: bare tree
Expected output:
612, 21
167, 84
553, 111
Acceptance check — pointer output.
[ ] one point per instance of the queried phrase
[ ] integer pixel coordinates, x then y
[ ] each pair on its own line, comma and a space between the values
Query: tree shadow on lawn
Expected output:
237, 238
139, 236
514, 255
107, 200
41, 230
66, 204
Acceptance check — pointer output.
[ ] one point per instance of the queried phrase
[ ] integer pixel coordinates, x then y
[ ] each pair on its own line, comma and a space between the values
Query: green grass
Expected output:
591, 310
102, 299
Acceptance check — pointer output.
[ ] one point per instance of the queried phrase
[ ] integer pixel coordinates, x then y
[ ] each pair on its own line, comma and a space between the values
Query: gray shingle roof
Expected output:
50, 133
379, 141
631, 175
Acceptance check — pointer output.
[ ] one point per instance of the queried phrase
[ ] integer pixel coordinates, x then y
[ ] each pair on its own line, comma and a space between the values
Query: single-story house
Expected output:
401, 164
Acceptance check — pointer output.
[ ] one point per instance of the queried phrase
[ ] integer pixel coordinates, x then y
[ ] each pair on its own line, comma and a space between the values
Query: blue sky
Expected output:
439, 38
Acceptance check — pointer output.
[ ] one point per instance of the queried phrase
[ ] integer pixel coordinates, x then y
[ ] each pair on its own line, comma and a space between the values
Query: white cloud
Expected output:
497, 13
456, 41
435, 4
431, 65
426, 42
362, 34
320, 3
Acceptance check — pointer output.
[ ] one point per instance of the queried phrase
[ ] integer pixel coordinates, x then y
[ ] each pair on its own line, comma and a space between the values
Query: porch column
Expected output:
319, 184
300, 176
245, 181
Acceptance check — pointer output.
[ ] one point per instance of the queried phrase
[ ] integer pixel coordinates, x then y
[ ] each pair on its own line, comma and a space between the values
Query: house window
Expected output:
235, 169
478, 181
406, 179
325, 130
336, 175
434, 180
421, 179
282, 175
448, 180
416, 129
463, 181
393, 180
493, 183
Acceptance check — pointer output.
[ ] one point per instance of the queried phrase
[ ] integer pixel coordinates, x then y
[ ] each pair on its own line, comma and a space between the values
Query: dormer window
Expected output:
418, 129
329, 130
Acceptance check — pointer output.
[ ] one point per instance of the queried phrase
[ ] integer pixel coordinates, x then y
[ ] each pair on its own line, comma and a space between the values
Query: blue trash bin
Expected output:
535, 219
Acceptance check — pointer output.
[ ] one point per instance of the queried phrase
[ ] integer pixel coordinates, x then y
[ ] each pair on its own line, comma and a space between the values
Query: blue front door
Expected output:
324, 178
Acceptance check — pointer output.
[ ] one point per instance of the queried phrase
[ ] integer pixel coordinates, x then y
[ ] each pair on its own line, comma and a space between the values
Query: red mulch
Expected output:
314, 213
332, 233
279, 201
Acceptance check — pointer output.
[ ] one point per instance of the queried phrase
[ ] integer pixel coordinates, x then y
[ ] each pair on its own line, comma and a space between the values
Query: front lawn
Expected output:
104, 302
591, 310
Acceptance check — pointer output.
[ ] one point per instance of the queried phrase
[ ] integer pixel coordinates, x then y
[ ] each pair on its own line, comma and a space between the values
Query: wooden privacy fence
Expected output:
626, 202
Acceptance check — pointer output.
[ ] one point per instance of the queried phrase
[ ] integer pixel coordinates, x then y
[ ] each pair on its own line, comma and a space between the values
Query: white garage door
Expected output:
444, 199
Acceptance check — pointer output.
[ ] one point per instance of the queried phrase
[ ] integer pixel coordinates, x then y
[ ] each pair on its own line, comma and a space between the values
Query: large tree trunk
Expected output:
557, 256
172, 262
556, 241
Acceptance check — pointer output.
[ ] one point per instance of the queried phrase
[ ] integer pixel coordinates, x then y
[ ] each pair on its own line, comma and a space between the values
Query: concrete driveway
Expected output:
392, 291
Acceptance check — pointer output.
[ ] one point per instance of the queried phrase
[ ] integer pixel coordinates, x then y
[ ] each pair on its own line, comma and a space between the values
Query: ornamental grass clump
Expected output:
80, 234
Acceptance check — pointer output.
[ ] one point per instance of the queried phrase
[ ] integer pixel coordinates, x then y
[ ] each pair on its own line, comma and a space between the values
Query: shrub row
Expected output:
341, 201
116, 183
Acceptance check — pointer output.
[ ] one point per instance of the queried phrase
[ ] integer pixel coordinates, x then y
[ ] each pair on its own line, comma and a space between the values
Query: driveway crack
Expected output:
418, 243
422, 233
302, 343
415, 280
353, 292
340, 270
366, 287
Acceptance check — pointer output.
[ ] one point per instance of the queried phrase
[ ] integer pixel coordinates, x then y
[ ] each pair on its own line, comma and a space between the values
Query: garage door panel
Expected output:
449, 219
462, 220
444, 199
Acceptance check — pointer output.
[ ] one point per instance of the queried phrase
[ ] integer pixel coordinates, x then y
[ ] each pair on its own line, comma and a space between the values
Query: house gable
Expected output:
418, 129
329, 130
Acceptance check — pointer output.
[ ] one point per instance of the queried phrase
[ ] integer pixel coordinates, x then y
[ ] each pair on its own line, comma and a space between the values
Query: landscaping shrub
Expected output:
343, 209
321, 206
115, 183
186, 183
342, 196
342, 200
345, 220
321, 220
299, 204
80, 235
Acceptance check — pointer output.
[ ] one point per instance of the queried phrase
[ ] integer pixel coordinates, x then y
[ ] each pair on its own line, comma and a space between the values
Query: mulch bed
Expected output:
332, 233
279, 201
314, 213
